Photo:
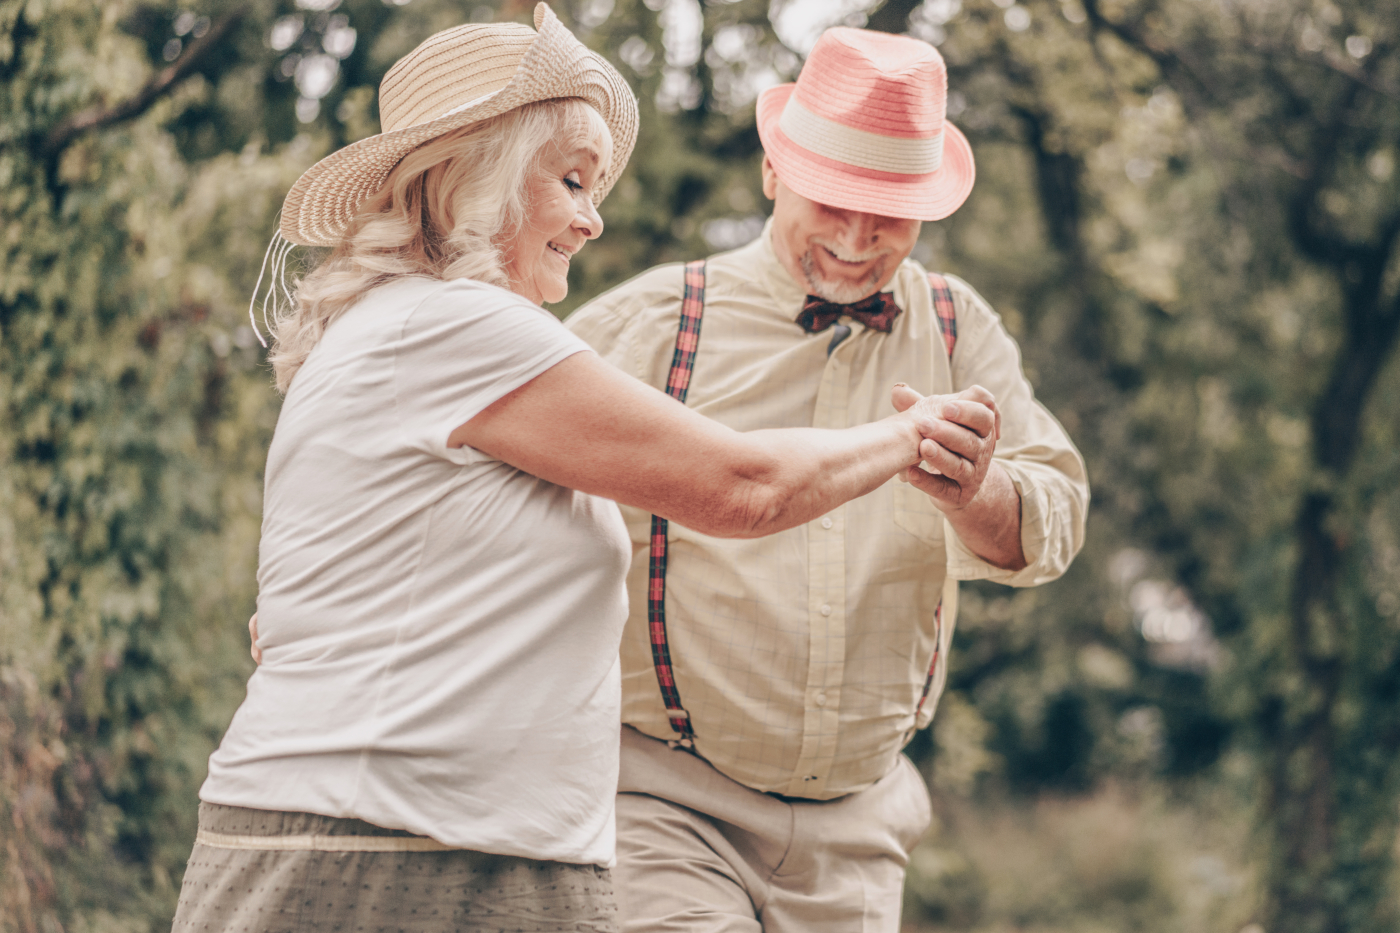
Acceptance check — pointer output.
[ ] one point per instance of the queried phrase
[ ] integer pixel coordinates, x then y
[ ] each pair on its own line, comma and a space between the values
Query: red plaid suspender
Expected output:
947, 319
933, 664
677, 384
943, 310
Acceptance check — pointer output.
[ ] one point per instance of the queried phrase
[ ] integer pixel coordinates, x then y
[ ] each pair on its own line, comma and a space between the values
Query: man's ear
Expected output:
770, 179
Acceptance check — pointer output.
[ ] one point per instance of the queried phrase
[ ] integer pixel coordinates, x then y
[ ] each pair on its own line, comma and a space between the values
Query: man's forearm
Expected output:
990, 525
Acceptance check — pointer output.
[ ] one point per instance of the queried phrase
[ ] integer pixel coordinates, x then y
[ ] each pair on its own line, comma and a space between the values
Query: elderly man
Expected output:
769, 685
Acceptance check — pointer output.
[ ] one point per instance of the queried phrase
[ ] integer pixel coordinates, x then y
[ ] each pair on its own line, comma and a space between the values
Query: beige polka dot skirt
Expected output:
266, 871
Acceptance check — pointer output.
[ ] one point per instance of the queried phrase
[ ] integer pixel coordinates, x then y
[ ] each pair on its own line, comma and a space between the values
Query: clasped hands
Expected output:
960, 434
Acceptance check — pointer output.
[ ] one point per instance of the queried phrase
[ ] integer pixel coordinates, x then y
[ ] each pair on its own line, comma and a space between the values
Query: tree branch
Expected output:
161, 83
1169, 61
892, 16
1311, 241
20, 33
1329, 60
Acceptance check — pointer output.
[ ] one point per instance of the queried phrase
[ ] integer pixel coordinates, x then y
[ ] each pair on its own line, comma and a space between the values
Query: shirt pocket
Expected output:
915, 512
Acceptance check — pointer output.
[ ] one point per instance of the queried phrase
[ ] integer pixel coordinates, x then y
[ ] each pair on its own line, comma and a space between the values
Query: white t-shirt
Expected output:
439, 629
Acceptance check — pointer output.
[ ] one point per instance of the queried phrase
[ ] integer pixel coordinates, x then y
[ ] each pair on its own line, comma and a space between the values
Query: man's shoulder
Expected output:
973, 311
962, 291
661, 288
655, 290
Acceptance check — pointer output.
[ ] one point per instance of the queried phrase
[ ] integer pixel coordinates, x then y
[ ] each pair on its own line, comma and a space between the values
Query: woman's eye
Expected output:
572, 183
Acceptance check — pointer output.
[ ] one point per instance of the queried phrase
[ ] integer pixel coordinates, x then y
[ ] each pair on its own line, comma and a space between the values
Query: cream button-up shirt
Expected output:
801, 657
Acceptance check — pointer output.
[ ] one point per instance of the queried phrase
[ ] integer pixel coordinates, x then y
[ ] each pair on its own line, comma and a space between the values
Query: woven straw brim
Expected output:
555, 65
931, 196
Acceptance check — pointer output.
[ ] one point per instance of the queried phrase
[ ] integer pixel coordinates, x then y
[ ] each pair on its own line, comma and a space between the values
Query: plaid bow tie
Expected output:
876, 312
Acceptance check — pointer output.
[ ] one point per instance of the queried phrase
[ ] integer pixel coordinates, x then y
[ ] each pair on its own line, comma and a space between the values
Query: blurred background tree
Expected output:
1186, 212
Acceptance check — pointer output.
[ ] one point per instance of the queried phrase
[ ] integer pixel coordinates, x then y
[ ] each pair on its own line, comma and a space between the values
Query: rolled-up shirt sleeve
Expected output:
1034, 450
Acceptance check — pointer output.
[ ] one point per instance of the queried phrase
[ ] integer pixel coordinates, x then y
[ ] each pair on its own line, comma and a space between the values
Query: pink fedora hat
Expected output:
863, 128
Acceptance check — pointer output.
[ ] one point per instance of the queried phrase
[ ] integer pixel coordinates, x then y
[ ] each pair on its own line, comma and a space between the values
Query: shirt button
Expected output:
826, 522
821, 699
826, 610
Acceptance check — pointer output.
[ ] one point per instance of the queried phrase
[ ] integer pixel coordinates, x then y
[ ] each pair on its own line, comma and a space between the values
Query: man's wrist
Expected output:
989, 524
985, 490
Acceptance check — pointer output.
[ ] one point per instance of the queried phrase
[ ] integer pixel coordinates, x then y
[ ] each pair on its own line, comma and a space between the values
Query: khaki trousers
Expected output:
700, 853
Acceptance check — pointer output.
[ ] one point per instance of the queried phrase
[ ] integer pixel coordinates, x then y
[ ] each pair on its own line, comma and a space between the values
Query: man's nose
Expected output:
859, 230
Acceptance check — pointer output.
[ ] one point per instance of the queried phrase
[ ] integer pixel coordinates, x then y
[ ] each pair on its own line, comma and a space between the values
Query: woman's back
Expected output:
438, 628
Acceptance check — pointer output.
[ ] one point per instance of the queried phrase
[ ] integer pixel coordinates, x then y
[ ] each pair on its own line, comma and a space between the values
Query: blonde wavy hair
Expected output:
445, 211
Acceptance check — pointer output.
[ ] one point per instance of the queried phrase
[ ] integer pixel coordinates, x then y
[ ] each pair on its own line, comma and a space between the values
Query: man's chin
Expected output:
840, 290
843, 293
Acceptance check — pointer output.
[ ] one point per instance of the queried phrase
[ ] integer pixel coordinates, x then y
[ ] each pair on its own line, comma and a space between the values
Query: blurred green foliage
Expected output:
1186, 212
1121, 859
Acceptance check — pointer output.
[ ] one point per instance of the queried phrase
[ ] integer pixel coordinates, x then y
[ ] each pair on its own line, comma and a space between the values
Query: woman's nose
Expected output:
588, 222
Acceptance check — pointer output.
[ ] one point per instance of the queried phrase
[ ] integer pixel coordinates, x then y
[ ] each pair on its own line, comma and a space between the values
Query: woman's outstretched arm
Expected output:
586, 425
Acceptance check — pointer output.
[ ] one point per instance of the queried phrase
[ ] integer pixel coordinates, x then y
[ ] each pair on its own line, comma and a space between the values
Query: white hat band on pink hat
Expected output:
863, 149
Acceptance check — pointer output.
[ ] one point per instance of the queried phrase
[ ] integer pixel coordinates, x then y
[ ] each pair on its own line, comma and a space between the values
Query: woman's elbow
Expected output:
748, 507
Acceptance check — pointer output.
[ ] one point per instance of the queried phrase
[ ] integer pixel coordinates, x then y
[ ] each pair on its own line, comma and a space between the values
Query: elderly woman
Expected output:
431, 740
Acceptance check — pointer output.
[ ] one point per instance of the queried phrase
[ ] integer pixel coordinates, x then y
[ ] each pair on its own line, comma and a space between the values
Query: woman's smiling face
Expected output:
560, 218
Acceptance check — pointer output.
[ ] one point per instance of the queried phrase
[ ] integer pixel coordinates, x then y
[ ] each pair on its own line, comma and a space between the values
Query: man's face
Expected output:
840, 255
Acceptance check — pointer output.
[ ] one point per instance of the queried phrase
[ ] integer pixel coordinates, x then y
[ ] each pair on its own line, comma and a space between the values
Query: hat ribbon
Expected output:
826, 137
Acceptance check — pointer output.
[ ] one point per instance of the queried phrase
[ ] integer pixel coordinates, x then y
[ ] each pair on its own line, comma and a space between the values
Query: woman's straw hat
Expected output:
454, 78
863, 128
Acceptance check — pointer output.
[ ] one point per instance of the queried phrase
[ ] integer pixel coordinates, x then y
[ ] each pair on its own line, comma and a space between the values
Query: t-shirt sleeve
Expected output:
465, 346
